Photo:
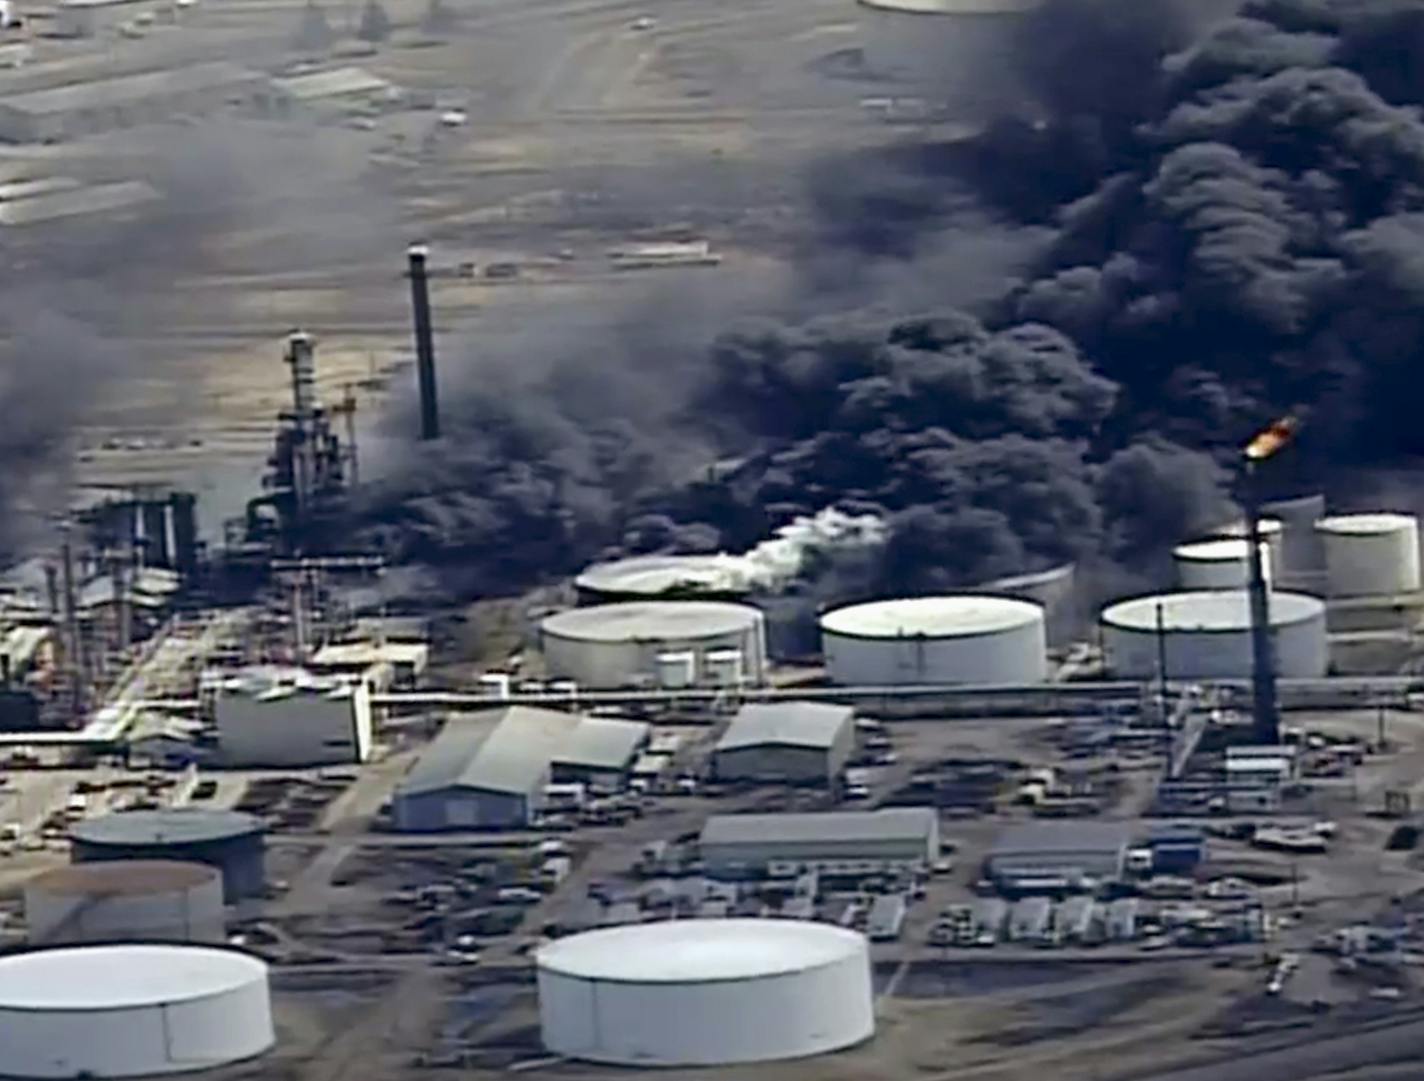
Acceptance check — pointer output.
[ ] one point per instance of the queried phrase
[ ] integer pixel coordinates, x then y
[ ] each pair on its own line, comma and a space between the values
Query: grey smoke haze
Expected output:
86, 307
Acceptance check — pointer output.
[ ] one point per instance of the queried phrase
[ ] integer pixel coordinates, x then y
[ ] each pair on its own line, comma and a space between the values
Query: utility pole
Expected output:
1263, 446
1162, 661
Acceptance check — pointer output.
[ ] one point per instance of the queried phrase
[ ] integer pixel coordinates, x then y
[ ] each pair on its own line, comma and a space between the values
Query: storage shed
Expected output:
491, 770
735, 845
786, 741
1051, 856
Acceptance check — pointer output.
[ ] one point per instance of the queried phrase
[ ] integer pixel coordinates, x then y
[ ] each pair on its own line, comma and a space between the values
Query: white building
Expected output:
492, 770
735, 845
288, 717
787, 741
131, 1011
705, 992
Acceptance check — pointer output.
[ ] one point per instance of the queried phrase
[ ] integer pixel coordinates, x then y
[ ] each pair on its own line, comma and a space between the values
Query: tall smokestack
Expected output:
424, 343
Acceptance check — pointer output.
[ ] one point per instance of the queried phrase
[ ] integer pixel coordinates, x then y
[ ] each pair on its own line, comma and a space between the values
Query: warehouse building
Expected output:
786, 741
838, 842
89, 108
289, 717
338, 88
1048, 857
491, 770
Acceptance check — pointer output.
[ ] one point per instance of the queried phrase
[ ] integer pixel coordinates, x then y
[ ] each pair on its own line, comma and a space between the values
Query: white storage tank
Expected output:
1272, 532
951, 53
676, 670
130, 1011
1218, 564
1370, 554
705, 992
618, 645
1207, 635
126, 900
925, 640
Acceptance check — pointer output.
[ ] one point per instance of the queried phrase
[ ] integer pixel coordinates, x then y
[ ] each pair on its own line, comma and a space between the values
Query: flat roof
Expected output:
175, 826
73, 202
334, 83
1209, 610
651, 621
128, 88
932, 617
792, 724
1364, 524
115, 977
364, 654
700, 951
891, 823
1055, 837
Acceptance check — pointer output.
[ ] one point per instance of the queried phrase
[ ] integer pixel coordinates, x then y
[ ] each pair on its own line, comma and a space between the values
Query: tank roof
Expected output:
931, 617
1208, 610
658, 574
700, 951
187, 825
114, 878
956, 7
1267, 527
651, 620
1224, 548
116, 977
1363, 524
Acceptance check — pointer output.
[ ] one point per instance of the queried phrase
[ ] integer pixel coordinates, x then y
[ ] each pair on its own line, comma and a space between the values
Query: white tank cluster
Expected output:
126, 900
705, 992
927, 640
130, 1011
1207, 635
1370, 554
1223, 563
664, 643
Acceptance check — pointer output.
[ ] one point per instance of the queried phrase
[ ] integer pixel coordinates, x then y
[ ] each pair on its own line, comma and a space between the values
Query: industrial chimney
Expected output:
424, 343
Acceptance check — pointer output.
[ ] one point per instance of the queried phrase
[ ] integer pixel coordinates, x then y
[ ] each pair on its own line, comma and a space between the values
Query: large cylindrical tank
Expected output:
1207, 635
1302, 554
1370, 554
1272, 533
663, 578
926, 640
956, 54
618, 645
228, 840
131, 1011
705, 992
1218, 564
125, 901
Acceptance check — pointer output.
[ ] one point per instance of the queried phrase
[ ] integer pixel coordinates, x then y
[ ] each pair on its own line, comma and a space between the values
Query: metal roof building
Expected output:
1050, 855
792, 741
852, 841
705, 992
491, 770
124, 101
289, 717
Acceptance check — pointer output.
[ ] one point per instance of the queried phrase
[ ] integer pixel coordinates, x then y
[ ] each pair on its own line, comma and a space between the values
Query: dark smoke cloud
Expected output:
1237, 206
